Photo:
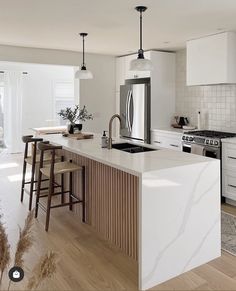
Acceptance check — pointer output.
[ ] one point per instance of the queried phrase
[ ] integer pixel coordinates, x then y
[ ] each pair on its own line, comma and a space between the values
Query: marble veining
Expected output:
190, 239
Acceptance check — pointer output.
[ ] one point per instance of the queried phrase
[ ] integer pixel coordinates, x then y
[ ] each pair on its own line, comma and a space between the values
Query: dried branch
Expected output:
25, 240
44, 269
4, 250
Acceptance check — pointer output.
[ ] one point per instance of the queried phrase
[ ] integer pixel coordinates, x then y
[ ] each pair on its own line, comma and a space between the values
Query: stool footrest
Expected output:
54, 194
66, 204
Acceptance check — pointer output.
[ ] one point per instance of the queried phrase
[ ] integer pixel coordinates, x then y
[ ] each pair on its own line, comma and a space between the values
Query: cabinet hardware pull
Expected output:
157, 141
174, 145
233, 158
231, 186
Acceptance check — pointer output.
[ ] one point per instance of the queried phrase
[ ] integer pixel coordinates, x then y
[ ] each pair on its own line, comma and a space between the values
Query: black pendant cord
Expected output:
141, 30
83, 52
83, 34
141, 9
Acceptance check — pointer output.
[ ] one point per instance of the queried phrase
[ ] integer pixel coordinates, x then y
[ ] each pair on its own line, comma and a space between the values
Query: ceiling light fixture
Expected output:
141, 64
83, 73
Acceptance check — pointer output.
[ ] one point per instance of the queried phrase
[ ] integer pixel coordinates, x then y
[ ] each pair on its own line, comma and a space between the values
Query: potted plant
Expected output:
73, 115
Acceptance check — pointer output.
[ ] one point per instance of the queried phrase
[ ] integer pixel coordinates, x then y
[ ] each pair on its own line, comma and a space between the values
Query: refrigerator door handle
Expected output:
128, 110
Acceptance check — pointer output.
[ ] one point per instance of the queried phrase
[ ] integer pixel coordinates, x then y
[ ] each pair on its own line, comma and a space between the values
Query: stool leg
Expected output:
51, 187
31, 186
70, 191
38, 194
83, 194
62, 189
23, 181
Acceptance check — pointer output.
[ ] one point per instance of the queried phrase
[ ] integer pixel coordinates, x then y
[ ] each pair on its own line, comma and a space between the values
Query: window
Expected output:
64, 97
1, 112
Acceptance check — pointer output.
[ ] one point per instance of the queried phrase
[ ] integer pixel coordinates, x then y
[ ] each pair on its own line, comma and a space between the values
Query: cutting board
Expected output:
79, 135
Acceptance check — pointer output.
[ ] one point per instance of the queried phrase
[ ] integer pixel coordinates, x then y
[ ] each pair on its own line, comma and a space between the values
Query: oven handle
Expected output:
230, 185
186, 145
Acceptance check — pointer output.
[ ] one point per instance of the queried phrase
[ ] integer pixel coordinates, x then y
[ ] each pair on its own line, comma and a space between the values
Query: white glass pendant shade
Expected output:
141, 65
83, 74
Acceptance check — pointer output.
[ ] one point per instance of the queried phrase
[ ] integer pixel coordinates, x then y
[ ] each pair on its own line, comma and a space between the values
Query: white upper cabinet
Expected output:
120, 73
212, 59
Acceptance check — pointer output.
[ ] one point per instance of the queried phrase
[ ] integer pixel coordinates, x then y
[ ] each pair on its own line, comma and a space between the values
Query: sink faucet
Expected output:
110, 130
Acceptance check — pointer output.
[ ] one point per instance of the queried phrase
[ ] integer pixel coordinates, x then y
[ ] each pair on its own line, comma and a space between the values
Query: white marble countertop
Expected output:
135, 164
170, 130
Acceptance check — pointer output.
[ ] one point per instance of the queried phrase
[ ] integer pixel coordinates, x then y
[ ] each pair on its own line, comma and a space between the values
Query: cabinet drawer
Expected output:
229, 156
158, 140
174, 144
229, 184
166, 142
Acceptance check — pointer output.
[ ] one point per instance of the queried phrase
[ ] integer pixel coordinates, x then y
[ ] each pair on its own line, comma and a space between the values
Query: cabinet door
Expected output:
229, 184
229, 156
120, 72
167, 141
211, 59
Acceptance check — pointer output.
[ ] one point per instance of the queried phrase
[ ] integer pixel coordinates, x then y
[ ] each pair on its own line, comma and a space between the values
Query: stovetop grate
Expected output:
211, 133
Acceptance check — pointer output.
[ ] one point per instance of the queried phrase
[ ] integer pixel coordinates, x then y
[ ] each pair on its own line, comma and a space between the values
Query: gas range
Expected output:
206, 137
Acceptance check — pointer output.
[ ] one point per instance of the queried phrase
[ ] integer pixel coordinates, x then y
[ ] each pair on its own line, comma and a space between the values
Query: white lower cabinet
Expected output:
229, 184
229, 170
168, 140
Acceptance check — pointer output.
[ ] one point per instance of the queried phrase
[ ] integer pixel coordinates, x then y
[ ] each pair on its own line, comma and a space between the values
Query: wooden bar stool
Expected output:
51, 171
31, 160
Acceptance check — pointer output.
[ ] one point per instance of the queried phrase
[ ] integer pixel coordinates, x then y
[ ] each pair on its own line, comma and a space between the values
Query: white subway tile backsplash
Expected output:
217, 103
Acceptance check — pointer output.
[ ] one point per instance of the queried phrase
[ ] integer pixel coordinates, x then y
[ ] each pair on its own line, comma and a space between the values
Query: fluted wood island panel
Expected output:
111, 202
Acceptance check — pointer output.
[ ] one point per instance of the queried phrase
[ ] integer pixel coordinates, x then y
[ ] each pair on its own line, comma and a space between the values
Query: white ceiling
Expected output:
112, 25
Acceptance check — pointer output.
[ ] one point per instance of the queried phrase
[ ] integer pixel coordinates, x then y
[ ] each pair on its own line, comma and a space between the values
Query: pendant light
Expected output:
141, 64
83, 73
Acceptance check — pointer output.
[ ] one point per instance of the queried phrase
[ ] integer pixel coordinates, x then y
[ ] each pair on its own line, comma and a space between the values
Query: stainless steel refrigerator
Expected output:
135, 110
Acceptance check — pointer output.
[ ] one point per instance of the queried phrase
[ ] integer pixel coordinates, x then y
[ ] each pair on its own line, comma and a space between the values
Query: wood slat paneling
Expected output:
111, 202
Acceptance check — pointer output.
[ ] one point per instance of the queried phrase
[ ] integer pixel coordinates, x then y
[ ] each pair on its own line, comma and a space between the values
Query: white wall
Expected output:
38, 99
97, 94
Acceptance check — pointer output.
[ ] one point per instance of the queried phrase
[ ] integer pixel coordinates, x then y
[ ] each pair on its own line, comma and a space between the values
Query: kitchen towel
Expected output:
197, 150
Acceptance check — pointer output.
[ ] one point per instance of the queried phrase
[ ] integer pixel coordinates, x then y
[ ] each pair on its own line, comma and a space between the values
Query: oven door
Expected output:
186, 147
210, 152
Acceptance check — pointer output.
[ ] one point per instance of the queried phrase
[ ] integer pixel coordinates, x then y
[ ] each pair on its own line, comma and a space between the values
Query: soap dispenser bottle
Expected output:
104, 140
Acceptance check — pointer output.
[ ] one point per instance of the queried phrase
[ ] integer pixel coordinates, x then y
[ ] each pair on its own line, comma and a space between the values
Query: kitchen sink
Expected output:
131, 148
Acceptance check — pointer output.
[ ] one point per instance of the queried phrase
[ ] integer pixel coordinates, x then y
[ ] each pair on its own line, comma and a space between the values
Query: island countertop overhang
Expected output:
135, 164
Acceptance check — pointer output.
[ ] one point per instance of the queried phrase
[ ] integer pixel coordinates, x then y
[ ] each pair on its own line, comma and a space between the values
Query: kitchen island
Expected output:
162, 208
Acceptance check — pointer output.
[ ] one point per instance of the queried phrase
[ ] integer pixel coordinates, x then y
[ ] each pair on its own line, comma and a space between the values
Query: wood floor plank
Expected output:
216, 280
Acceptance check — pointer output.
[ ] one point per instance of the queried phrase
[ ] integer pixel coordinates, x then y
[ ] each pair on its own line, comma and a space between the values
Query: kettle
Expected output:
183, 121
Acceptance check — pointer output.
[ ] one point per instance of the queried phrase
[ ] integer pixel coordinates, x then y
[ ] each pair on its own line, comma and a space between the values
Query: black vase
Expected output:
78, 126
71, 129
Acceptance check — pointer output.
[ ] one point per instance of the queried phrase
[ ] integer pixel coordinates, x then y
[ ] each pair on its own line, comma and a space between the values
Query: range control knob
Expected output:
186, 138
216, 142
183, 138
207, 141
191, 138
211, 142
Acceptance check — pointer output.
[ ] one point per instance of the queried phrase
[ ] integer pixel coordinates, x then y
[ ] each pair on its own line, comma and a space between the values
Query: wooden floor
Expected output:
86, 262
